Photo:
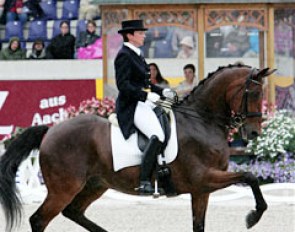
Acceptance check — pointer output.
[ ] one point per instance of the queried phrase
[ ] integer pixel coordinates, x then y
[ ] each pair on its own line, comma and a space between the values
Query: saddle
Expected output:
163, 172
142, 138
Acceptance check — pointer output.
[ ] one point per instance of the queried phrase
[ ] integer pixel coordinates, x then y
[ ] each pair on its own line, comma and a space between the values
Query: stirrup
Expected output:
145, 188
156, 192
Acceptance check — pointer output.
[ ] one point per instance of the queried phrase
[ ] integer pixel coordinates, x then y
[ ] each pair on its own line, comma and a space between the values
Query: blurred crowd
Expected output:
86, 44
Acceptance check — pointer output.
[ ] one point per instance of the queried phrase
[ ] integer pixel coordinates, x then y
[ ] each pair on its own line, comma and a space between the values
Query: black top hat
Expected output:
132, 25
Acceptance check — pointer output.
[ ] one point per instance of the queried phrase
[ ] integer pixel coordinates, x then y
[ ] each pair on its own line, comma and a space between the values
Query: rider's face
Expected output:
137, 39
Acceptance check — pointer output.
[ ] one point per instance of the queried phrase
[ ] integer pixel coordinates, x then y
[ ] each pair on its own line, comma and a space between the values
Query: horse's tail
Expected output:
17, 151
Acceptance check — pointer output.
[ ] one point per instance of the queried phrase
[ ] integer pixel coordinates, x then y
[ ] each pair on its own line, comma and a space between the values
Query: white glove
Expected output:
153, 97
168, 93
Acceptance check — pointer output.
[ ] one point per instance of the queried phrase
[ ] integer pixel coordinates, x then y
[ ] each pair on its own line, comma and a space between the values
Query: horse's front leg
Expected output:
199, 207
221, 179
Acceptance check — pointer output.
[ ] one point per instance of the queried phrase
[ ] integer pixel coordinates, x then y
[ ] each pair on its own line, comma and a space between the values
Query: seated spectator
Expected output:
187, 50
178, 35
15, 10
34, 9
156, 76
1, 7
236, 43
87, 37
157, 43
89, 44
253, 35
13, 51
88, 10
62, 46
186, 86
38, 50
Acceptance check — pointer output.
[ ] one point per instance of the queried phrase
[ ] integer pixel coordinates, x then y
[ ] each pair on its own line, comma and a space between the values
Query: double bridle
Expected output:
238, 118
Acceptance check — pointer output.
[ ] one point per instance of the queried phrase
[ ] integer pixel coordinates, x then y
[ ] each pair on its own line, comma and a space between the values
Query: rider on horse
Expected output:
134, 106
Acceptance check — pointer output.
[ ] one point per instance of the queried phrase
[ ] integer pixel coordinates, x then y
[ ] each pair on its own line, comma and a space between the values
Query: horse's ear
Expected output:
265, 72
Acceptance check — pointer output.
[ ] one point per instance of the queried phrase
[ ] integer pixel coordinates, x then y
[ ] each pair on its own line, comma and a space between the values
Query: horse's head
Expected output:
229, 97
245, 97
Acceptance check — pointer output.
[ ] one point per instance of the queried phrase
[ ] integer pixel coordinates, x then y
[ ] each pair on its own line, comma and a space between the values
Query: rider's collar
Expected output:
133, 48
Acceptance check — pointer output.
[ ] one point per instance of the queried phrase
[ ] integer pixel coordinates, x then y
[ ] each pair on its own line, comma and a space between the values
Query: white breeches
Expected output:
146, 120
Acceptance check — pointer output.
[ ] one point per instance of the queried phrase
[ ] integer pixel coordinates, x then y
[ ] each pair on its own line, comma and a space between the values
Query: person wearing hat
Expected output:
187, 48
134, 106
38, 50
13, 51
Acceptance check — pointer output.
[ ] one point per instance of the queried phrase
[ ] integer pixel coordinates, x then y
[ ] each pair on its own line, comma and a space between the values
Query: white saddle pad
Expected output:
126, 152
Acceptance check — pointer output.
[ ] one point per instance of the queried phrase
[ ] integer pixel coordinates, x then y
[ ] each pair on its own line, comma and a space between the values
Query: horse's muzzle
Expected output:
249, 132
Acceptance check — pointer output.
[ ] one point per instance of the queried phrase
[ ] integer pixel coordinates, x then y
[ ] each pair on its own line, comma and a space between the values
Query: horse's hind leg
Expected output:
62, 188
221, 179
52, 206
76, 209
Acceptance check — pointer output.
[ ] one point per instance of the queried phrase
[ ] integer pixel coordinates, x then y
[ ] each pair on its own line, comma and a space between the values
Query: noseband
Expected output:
238, 119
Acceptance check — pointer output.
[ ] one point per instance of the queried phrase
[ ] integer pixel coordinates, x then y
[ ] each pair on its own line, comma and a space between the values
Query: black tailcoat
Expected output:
131, 78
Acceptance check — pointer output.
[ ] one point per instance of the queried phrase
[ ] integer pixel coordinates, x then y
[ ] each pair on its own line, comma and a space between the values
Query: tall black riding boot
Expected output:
150, 153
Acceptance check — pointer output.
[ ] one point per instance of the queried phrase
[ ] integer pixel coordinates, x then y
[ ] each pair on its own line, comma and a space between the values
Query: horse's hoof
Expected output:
252, 218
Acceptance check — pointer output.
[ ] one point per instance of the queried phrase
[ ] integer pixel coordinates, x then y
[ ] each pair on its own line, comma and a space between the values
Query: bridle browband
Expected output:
238, 118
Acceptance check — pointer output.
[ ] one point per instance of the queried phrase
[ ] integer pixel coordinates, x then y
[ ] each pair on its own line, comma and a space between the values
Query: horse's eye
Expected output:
255, 95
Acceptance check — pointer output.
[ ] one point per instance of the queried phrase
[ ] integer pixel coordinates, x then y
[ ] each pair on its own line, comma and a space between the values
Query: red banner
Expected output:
26, 103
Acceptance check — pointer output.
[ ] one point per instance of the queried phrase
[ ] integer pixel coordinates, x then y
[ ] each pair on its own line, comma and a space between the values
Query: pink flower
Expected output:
94, 106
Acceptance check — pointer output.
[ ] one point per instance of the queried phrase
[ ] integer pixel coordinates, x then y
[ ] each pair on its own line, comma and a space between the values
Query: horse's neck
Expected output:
210, 105
211, 100
198, 124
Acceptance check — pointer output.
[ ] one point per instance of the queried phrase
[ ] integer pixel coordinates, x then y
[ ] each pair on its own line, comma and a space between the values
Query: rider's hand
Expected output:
153, 97
169, 93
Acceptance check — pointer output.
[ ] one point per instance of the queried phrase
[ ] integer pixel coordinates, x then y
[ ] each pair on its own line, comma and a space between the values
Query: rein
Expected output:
170, 104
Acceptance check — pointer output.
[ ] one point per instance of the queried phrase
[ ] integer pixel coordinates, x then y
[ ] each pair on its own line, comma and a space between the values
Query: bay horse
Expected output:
76, 155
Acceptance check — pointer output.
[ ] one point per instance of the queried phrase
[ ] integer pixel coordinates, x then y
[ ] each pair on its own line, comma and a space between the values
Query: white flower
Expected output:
276, 136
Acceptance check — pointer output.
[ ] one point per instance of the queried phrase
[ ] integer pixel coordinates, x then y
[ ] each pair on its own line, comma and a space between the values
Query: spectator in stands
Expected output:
62, 46
88, 10
177, 37
157, 43
87, 37
38, 50
187, 50
156, 76
13, 51
34, 9
15, 10
88, 43
236, 43
214, 40
1, 7
186, 86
